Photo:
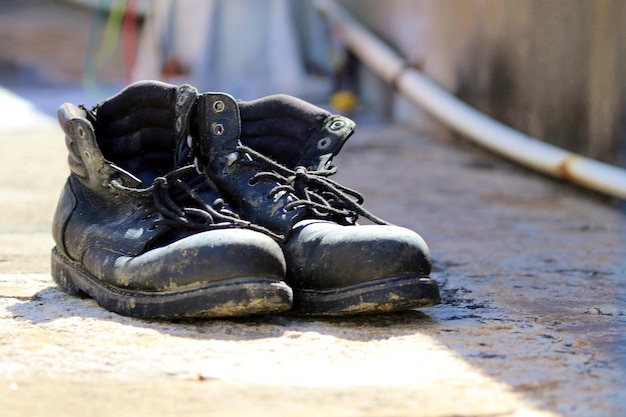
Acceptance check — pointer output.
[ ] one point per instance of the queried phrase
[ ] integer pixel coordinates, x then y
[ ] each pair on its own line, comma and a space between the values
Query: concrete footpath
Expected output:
533, 320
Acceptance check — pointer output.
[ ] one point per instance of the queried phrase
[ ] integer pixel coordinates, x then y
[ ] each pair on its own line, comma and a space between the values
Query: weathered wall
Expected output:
555, 70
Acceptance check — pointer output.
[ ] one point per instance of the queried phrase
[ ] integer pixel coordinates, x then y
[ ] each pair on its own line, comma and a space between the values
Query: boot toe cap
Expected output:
202, 258
325, 256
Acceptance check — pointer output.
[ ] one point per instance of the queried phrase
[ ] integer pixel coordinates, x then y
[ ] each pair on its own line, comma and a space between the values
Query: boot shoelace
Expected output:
325, 198
184, 184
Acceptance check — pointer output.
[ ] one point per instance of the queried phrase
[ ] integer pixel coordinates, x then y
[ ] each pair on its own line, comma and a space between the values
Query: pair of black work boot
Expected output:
182, 204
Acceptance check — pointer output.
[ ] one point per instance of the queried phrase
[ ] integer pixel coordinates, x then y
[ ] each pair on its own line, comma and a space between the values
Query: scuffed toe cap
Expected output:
207, 257
325, 255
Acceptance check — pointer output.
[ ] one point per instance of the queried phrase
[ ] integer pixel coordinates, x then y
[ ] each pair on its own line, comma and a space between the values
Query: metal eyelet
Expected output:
218, 106
324, 143
80, 131
218, 129
337, 124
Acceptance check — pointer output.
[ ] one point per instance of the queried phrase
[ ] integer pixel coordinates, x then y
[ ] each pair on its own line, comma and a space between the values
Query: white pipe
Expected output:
464, 119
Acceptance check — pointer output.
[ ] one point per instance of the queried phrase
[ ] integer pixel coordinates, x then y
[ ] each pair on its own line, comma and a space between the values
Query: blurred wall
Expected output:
555, 70
248, 48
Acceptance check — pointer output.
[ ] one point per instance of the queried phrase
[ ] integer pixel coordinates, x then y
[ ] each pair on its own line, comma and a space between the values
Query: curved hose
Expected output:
464, 119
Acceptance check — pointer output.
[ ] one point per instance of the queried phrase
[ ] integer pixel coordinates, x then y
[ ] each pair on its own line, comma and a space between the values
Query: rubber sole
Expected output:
238, 297
381, 296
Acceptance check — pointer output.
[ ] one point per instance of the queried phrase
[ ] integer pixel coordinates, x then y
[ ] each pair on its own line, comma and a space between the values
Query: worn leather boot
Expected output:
271, 159
138, 229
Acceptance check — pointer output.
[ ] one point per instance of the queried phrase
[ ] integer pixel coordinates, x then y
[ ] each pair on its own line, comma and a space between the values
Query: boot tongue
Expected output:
186, 96
325, 143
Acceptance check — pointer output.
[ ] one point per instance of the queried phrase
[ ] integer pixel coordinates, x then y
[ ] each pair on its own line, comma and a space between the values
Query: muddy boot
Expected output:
138, 229
276, 175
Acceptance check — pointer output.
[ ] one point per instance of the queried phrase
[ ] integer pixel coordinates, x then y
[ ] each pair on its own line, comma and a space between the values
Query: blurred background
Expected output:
555, 70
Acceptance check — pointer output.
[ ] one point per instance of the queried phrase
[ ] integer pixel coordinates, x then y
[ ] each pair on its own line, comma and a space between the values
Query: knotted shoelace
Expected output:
177, 197
324, 198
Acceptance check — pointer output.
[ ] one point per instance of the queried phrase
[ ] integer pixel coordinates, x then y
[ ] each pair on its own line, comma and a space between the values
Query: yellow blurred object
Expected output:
344, 101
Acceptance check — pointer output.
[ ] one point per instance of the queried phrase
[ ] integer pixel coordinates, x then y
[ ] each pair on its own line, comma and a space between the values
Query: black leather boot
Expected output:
141, 231
271, 159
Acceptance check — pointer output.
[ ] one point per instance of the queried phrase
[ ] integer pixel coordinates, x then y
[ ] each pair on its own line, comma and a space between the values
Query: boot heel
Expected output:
63, 274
